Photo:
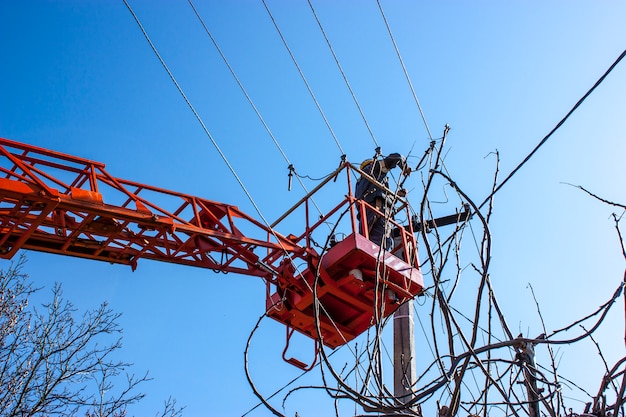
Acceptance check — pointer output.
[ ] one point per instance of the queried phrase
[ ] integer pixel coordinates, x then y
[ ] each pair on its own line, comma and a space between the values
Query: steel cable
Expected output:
345, 79
406, 74
306, 83
555, 128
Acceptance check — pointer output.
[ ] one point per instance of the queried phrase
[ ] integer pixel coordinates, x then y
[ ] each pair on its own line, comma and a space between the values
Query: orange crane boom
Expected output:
62, 204
55, 203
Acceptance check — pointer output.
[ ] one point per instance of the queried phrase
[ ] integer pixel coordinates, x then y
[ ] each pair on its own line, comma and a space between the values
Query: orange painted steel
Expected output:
58, 203
343, 291
62, 204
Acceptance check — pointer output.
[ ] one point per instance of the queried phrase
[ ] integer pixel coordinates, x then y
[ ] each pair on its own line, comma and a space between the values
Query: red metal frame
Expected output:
63, 204
54, 202
354, 284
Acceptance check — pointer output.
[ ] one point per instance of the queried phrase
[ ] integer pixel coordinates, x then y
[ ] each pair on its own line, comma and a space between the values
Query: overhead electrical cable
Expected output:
268, 131
558, 125
243, 90
256, 110
279, 390
369, 129
406, 74
206, 130
214, 142
223, 156
195, 113
306, 83
250, 101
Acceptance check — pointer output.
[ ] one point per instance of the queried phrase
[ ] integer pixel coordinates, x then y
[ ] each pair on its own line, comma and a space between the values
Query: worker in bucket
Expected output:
381, 198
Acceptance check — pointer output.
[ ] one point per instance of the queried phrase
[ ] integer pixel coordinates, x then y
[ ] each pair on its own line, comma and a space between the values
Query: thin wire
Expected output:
180, 90
232, 71
192, 108
263, 122
260, 117
319, 108
287, 384
343, 75
250, 101
406, 74
428, 343
558, 125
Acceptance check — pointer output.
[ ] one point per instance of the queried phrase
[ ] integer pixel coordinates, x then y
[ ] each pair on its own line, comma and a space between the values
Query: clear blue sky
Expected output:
79, 77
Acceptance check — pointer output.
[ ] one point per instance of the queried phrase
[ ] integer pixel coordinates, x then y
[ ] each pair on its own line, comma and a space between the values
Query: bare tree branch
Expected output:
57, 364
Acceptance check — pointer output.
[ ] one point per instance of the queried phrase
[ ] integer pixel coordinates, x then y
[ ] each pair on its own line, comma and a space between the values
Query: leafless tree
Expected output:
54, 362
480, 367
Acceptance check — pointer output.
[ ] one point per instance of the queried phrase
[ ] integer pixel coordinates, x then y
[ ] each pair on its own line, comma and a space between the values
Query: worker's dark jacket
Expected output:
368, 191
377, 224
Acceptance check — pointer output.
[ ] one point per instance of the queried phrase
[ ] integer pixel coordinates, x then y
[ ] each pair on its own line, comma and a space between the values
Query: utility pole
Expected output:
403, 353
526, 357
404, 364
403, 349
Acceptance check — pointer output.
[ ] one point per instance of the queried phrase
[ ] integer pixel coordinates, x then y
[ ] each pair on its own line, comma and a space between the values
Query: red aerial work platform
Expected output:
57, 203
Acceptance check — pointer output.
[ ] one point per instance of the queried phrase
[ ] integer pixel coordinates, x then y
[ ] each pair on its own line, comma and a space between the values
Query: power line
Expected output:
250, 101
245, 92
180, 90
343, 74
306, 83
275, 393
558, 125
232, 71
287, 255
406, 74
206, 130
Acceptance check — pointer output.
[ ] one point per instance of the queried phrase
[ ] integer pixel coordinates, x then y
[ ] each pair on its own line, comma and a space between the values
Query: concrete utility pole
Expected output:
526, 356
404, 364
403, 353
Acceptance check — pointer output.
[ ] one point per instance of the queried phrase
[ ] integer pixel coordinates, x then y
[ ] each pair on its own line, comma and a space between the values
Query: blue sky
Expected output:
79, 77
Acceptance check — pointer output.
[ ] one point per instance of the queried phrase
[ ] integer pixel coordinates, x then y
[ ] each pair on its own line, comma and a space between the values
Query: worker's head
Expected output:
393, 160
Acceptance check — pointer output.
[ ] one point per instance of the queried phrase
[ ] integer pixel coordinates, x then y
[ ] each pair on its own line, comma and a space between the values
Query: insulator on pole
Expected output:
343, 161
290, 175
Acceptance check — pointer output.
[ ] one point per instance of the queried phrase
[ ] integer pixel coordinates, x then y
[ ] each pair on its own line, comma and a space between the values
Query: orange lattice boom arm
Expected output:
63, 204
